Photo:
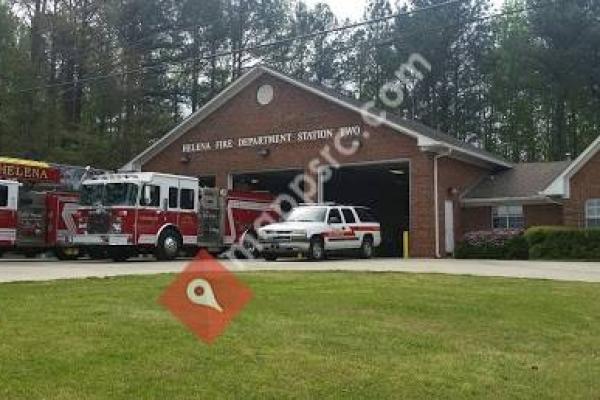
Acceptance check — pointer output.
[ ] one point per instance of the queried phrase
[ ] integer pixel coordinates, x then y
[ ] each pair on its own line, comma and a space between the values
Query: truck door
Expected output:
339, 235
188, 215
8, 213
150, 215
32, 219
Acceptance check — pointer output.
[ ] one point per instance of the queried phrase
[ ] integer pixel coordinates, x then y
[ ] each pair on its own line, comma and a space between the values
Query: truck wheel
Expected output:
249, 244
168, 246
316, 252
270, 256
66, 254
366, 249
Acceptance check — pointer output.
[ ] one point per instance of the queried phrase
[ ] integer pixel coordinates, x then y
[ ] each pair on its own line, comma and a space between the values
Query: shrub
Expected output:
495, 245
563, 243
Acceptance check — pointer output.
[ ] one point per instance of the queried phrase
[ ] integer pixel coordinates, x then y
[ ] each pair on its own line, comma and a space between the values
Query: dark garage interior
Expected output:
274, 182
382, 187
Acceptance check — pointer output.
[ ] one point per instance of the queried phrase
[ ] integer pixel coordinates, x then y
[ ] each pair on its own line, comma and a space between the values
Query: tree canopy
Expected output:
96, 82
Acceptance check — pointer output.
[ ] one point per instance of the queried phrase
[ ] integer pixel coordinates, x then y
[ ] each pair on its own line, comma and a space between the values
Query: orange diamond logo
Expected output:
206, 297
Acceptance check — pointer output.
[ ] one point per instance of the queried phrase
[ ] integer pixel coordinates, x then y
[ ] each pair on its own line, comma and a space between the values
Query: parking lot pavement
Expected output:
49, 269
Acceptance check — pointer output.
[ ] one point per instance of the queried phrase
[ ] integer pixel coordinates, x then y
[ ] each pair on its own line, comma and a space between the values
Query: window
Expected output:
348, 216
592, 213
508, 217
307, 214
187, 199
150, 196
120, 194
173, 197
334, 216
365, 215
3, 195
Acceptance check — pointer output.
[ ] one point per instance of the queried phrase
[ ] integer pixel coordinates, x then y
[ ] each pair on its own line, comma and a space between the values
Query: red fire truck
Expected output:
126, 214
37, 205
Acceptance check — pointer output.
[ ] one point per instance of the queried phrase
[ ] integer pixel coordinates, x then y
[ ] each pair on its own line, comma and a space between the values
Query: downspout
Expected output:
436, 200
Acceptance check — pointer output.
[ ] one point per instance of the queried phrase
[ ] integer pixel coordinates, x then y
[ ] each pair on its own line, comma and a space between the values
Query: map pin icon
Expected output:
207, 298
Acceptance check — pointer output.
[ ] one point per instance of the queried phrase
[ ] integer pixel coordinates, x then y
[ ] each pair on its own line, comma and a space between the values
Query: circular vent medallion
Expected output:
265, 95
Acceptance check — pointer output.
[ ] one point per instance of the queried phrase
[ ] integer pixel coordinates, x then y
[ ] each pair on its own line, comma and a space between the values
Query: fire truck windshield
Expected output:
110, 194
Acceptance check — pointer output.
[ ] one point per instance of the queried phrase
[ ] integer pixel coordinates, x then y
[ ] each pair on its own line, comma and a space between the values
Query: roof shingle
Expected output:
522, 181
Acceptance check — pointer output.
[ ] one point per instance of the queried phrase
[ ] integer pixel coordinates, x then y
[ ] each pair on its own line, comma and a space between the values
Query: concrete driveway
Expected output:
49, 269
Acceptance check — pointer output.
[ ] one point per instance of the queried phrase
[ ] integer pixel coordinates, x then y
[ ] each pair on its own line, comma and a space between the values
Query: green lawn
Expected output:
306, 335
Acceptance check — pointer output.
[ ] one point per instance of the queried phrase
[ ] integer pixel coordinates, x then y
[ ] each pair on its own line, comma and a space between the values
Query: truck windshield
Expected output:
91, 195
110, 194
307, 214
121, 194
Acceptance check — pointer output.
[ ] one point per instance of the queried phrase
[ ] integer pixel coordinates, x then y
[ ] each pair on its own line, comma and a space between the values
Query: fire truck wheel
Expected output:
249, 243
316, 251
169, 244
366, 249
69, 254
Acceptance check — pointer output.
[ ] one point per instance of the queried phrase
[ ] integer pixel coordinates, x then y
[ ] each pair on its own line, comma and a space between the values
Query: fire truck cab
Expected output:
126, 214
121, 215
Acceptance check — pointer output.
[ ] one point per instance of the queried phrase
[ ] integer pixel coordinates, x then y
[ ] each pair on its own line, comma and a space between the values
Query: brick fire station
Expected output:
266, 128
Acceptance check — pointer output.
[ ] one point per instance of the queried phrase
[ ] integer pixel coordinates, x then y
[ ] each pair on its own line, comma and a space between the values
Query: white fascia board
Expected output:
533, 200
561, 186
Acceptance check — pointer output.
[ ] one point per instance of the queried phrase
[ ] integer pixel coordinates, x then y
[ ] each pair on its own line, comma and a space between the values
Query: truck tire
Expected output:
249, 244
169, 244
316, 251
64, 255
366, 248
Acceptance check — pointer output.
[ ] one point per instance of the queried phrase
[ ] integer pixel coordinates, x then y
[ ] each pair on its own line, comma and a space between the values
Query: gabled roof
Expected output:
561, 185
426, 136
523, 183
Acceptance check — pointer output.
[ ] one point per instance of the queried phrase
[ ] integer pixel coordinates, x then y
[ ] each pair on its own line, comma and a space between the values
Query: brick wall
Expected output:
294, 110
476, 219
585, 185
547, 214
480, 218
455, 177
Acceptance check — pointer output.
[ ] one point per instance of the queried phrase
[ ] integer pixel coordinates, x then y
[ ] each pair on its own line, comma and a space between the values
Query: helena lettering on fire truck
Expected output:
37, 205
122, 215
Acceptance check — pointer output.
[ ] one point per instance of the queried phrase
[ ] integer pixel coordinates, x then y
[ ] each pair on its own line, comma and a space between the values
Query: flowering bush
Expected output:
496, 244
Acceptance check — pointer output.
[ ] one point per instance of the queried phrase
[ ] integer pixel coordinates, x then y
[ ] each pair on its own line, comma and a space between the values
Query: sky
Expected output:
354, 9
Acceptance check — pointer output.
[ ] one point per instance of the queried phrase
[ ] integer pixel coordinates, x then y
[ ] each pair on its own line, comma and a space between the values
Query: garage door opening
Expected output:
274, 182
385, 189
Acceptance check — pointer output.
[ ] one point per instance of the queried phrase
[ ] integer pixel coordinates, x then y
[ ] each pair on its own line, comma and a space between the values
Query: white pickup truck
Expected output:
316, 230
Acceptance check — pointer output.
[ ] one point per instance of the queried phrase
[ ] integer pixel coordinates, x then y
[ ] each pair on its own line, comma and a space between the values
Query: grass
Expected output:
306, 335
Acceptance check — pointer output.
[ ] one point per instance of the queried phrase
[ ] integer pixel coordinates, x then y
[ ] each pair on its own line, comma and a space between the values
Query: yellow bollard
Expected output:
405, 243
